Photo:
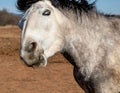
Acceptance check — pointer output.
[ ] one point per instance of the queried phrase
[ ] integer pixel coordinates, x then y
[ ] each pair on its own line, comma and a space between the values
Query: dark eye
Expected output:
46, 12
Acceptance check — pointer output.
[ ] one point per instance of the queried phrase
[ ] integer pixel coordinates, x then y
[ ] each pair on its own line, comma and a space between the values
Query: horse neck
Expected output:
78, 37
71, 35
84, 40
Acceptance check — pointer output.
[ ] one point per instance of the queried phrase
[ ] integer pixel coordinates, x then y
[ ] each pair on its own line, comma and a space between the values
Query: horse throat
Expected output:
71, 55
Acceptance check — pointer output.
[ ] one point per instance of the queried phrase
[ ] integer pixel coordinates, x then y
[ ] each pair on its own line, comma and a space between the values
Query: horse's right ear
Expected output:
20, 24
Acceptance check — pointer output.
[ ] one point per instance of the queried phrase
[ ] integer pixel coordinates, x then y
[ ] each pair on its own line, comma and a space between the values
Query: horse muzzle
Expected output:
32, 56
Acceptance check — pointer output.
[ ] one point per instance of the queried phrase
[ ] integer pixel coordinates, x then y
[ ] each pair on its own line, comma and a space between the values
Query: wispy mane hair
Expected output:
75, 5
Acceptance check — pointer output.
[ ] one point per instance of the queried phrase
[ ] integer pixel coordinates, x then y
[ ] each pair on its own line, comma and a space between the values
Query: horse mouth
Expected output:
42, 62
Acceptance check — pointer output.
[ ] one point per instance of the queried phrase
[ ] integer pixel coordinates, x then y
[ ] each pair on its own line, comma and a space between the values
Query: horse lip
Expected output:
42, 61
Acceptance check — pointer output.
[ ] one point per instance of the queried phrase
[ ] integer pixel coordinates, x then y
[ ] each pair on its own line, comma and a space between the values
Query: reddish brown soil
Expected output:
15, 77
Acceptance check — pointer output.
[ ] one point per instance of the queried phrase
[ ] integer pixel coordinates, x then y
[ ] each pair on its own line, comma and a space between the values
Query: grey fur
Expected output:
92, 40
94, 44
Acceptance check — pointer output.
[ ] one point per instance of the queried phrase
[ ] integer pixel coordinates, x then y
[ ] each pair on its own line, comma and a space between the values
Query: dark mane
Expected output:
81, 5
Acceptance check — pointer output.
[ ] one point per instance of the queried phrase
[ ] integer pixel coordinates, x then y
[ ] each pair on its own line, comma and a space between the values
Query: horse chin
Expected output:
42, 62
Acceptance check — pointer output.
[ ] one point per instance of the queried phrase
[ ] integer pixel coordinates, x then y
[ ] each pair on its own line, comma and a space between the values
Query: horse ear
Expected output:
21, 23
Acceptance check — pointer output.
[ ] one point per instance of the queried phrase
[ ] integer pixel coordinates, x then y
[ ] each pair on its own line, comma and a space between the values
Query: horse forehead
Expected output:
39, 5
42, 3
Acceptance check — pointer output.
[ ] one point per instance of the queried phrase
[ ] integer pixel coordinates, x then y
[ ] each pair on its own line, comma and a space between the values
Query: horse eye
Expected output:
46, 12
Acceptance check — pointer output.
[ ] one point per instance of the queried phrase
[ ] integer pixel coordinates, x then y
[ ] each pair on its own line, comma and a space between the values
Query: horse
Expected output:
89, 40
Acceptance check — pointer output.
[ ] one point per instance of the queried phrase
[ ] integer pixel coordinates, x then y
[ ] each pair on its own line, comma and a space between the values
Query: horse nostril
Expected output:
32, 46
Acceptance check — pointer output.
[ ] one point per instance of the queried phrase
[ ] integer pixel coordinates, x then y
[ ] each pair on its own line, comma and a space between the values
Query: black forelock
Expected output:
23, 5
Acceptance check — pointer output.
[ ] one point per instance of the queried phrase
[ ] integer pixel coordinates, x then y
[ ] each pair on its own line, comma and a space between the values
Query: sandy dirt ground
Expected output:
15, 77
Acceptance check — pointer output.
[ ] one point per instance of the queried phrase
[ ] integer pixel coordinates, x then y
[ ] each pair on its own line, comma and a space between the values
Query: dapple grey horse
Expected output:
88, 39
